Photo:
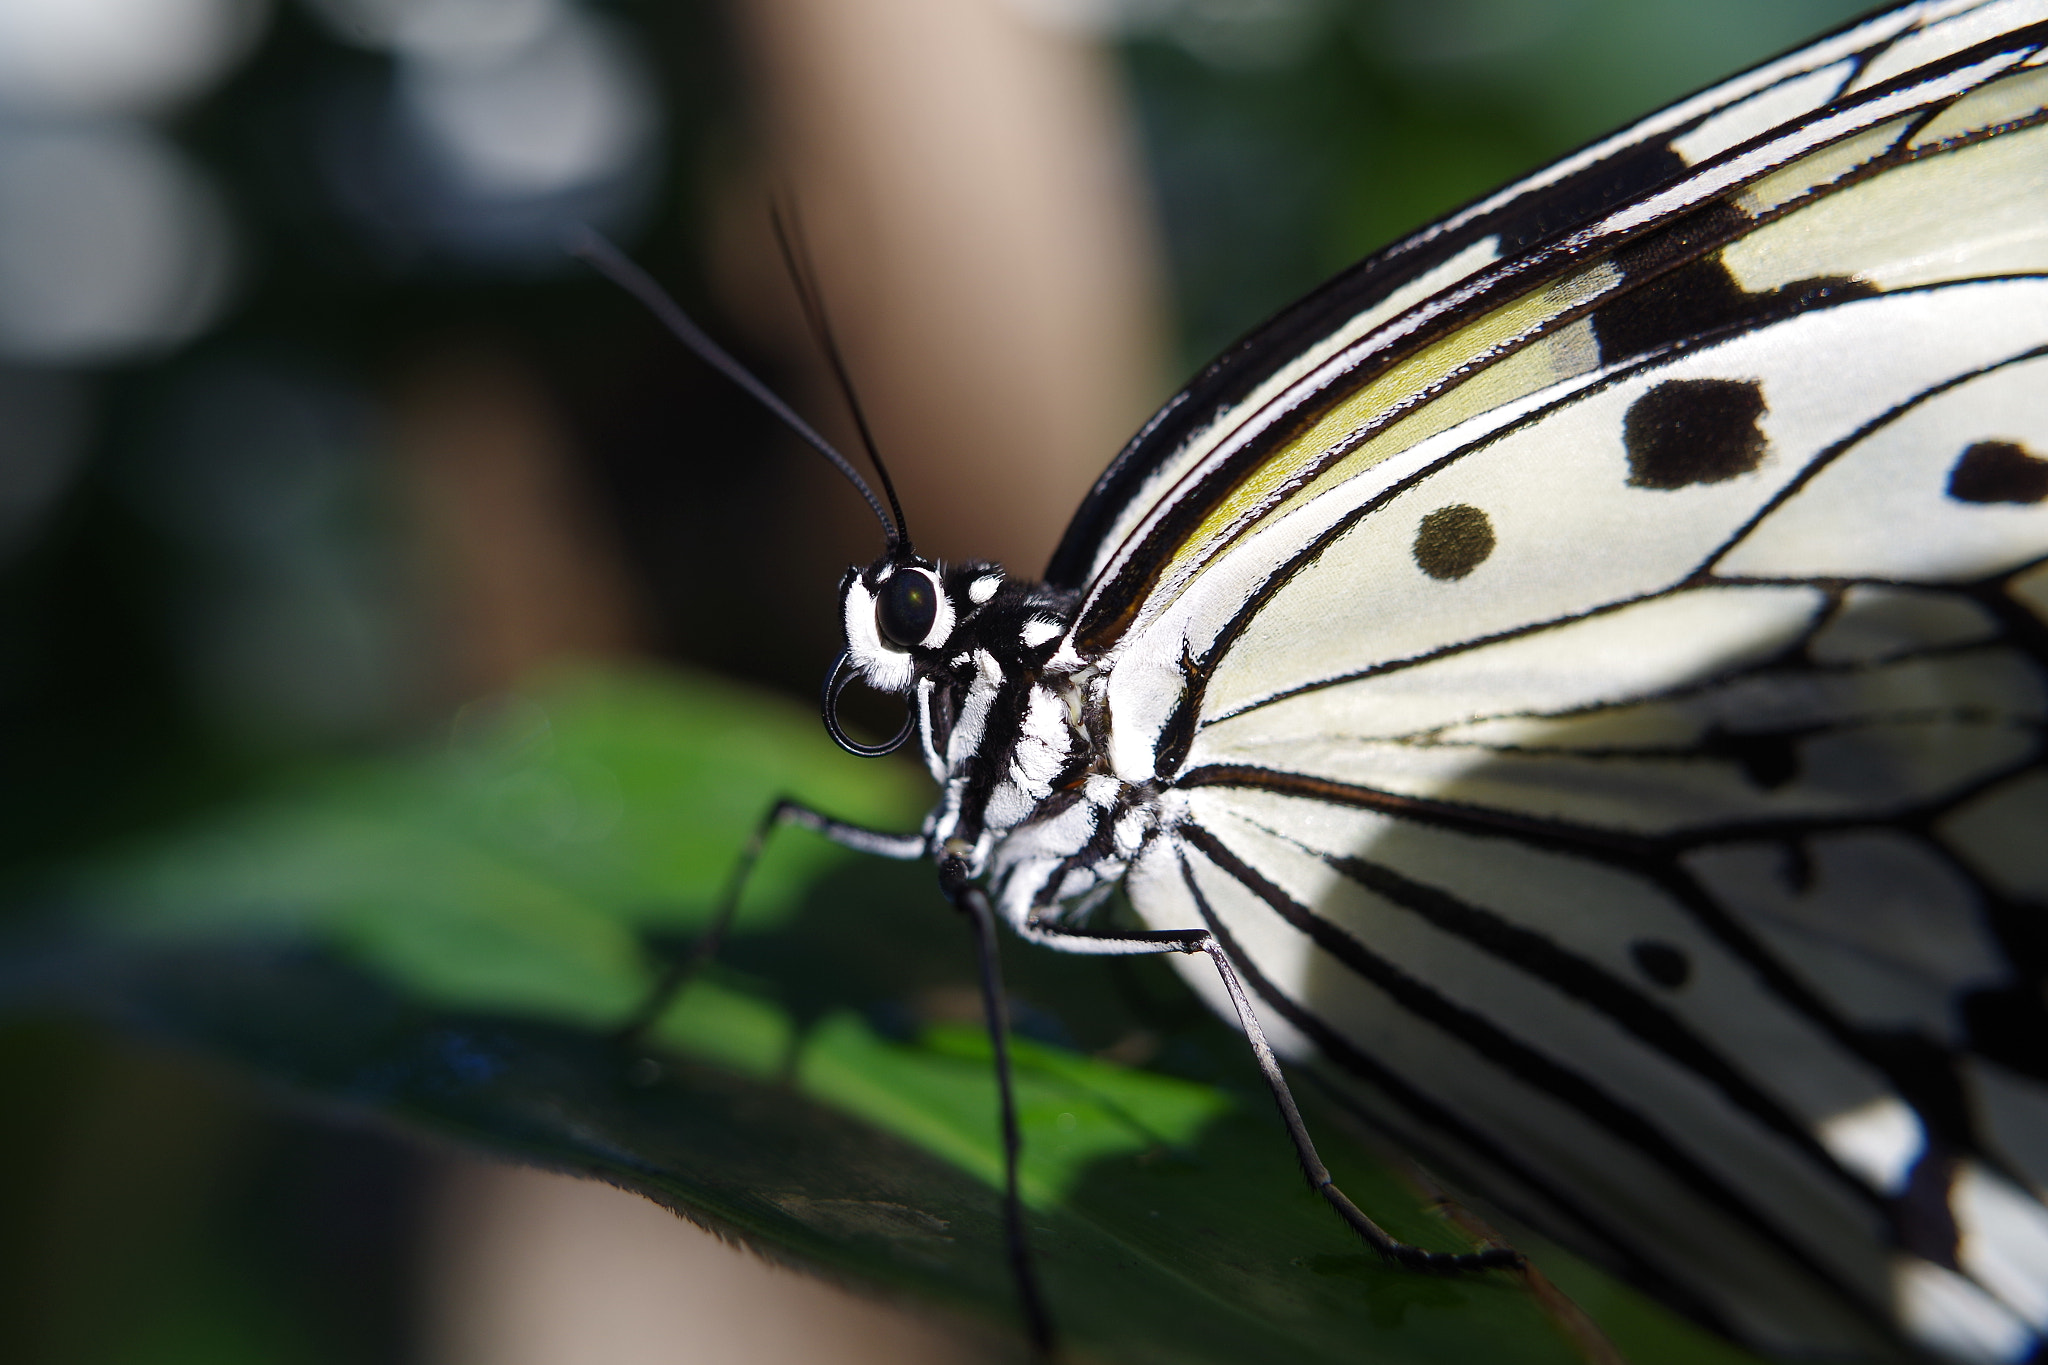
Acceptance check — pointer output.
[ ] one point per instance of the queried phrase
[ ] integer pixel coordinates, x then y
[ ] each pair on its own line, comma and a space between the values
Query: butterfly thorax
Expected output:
1013, 738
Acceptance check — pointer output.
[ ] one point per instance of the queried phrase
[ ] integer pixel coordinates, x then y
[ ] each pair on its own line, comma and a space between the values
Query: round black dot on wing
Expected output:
1688, 431
1998, 471
1664, 963
1769, 759
1453, 541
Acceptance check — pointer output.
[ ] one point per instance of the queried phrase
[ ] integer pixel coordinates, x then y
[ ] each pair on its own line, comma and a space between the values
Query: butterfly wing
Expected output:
1594, 660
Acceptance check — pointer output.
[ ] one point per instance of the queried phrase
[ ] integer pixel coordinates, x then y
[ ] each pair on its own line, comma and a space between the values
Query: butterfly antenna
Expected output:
587, 244
796, 258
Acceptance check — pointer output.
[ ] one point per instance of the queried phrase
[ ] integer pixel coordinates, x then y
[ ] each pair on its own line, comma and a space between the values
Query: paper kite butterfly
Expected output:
1581, 675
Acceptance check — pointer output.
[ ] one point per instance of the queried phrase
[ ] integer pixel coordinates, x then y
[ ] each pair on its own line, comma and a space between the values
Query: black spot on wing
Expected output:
1998, 471
1522, 223
1630, 173
1701, 298
1676, 288
1691, 431
1695, 298
1453, 541
1769, 759
1664, 963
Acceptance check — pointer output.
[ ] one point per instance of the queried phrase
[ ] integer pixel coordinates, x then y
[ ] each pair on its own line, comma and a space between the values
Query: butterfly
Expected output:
1580, 675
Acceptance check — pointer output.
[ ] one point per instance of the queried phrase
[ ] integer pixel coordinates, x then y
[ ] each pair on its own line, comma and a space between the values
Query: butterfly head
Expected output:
903, 612
903, 617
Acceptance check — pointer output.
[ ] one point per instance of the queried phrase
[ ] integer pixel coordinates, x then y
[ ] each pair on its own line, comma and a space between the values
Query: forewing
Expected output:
1676, 228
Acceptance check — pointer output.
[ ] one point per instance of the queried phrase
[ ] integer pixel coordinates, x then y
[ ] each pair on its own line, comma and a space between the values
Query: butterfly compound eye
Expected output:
908, 606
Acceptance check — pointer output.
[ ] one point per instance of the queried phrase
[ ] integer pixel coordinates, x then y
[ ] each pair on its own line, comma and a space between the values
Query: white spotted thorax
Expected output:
1029, 798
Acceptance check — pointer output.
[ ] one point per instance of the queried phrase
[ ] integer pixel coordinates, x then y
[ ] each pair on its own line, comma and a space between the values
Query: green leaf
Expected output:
451, 938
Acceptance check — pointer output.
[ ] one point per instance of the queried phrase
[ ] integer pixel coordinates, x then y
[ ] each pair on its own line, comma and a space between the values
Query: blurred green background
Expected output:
272, 275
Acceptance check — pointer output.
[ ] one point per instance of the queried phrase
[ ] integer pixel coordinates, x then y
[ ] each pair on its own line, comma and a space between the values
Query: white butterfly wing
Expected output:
1624, 762
1659, 752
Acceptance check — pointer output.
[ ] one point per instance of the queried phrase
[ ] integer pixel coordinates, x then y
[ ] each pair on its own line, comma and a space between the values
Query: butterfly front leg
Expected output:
955, 879
1319, 1177
684, 967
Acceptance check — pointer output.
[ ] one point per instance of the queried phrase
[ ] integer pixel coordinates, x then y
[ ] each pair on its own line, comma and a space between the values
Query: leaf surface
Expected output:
450, 938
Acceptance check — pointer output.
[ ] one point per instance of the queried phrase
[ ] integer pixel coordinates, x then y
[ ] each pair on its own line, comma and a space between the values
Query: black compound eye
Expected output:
908, 606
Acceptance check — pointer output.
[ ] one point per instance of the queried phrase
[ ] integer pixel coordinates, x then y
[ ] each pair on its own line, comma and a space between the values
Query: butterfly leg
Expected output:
971, 901
1312, 1165
683, 967
1319, 1177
